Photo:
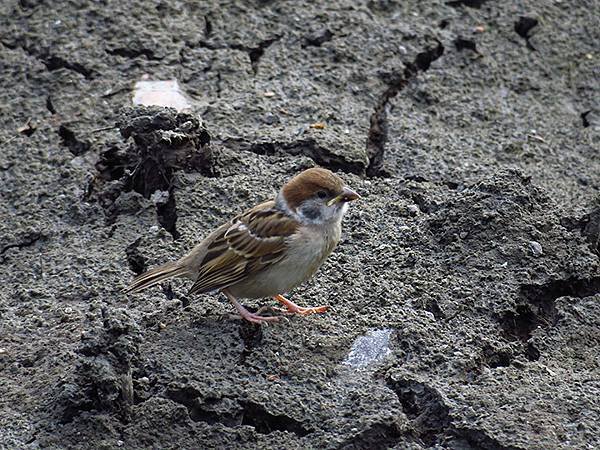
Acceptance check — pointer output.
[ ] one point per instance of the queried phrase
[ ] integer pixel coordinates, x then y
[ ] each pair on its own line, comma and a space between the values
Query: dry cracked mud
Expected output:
466, 288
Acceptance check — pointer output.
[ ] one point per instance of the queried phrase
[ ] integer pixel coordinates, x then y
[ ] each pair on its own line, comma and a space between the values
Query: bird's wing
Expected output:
254, 240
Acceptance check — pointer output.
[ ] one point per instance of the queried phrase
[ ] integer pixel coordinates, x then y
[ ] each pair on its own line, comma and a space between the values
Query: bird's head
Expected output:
316, 195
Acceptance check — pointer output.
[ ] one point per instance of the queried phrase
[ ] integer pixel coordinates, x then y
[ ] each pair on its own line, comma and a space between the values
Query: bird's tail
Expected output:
156, 275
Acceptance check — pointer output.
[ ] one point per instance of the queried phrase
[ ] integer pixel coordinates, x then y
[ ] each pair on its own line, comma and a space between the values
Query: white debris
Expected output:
369, 349
159, 197
536, 248
166, 93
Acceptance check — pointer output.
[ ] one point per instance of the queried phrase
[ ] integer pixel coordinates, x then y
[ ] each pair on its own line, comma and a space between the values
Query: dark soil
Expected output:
472, 130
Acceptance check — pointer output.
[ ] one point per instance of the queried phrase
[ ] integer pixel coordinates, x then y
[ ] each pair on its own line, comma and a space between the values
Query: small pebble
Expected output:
413, 210
159, 197
270, 119
536, 248
78, 162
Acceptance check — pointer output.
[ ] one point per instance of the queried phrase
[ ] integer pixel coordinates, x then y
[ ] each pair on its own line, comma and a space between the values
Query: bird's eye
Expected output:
322, 194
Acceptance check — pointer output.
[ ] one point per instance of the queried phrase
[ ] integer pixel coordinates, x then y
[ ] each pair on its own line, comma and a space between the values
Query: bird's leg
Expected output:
245, 314
292, 308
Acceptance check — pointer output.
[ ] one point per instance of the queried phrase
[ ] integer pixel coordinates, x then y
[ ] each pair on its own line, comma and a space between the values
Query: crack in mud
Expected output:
307, 147
430, 420
378, 130
53, 62
254, 53
495, 357
137, 262
68, 139
461, 43
470, 3
523, 28
207, 27
433, 307
133, 53
27, 241
317, 38
265, 422
190, 397
584, 118
537, 306
232, 413
50, 105
424, 408
478, 439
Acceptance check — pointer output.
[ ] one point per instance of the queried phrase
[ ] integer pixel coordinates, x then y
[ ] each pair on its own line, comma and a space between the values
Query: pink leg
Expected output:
247, 315
292, 308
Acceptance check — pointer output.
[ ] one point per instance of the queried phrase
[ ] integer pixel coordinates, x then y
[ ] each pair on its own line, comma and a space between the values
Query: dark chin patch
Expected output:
311, 212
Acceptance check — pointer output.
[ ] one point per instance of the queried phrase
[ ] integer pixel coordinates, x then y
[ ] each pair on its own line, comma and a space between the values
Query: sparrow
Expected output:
267, 250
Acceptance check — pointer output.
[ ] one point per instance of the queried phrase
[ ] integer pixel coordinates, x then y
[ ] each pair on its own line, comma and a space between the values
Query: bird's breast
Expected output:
307, 250
310, 248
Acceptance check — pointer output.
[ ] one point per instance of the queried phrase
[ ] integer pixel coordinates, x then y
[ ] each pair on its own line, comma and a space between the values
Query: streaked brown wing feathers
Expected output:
255, 240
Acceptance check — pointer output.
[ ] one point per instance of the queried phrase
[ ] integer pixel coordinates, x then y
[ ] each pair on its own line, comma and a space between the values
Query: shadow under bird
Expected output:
269, 249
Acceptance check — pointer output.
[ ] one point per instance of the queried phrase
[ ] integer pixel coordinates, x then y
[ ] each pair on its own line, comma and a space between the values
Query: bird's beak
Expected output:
347, 195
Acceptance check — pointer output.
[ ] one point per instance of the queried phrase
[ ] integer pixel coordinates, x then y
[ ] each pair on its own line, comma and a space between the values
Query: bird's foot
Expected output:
256, 318
247, 315
292, 308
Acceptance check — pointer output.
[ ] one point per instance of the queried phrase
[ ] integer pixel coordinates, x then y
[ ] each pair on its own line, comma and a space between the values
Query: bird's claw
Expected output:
299, 310
257, 318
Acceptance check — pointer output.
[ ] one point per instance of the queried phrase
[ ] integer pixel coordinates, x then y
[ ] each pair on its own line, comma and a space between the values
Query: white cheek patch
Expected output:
314, 213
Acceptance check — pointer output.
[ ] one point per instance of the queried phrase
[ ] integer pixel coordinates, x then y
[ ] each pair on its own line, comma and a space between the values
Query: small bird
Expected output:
269, 249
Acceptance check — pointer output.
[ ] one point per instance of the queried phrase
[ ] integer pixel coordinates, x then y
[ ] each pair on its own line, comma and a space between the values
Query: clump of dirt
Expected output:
163, 142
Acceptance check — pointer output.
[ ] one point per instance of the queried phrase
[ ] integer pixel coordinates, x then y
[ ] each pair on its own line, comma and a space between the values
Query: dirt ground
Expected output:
466, 288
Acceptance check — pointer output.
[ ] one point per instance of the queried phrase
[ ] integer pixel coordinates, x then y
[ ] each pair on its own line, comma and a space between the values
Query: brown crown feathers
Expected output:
308, 183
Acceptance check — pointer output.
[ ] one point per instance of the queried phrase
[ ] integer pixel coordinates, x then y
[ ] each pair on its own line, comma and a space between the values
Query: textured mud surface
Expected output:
471, 266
